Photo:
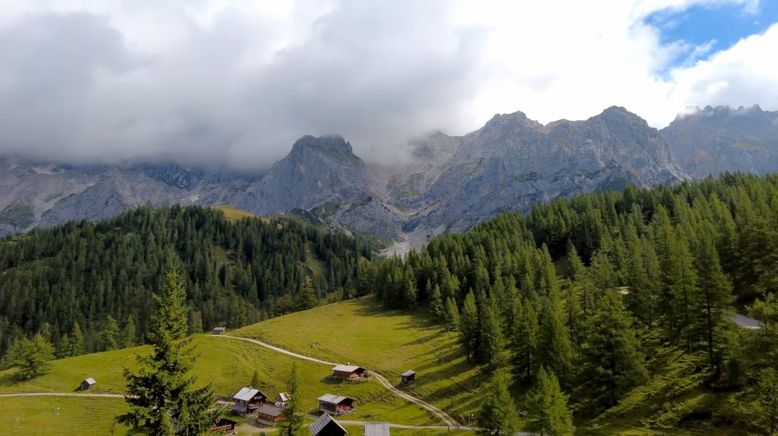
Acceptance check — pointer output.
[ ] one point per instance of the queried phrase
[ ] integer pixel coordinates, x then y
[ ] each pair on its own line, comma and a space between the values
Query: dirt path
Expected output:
60, 394
450, 422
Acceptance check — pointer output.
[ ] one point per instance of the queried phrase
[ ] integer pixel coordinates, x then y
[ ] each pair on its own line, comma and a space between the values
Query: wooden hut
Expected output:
282, 399
327, 426
269, 414
247, 400
377, 429
408, 376
335, 404
86, 384
218, 331
347, 372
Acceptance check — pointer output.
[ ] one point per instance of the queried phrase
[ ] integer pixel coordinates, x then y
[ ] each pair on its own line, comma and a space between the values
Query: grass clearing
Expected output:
228, 364
233, 213
361, 332
60, 415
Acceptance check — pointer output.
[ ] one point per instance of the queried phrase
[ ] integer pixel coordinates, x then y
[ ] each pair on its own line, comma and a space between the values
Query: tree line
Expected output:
88, 287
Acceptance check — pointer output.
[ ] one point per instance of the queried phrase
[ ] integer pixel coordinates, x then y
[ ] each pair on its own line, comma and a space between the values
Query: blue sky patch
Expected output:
720, 26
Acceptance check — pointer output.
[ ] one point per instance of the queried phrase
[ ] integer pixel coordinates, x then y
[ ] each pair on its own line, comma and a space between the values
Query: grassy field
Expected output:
234, 214
52, 415
390, 342
228, 364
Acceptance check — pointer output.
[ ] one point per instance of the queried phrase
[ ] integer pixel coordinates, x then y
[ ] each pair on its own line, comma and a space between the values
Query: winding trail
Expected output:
60, 394
445, 417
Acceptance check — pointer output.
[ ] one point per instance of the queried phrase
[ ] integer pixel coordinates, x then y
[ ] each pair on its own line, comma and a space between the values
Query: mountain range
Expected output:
451, 183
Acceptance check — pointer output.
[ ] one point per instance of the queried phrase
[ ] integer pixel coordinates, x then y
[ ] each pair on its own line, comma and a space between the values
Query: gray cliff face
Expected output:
453, 182
513, 162
715, 140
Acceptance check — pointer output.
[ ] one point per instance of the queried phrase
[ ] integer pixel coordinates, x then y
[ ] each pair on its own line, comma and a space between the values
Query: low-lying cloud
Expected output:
235, 83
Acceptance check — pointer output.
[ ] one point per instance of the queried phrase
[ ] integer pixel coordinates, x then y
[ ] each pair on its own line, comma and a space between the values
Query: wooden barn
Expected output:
377, 429
347, 372
86, 384
218, 331
326, 426
335, 404
269, 414
408, 376
247, 400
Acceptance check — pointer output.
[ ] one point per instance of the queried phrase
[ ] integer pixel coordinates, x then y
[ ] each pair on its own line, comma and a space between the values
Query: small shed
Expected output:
269, 414
224, 426
408, 376
86, 384
218, 331
377, 429
349, 372
282, 399
247, 400
327, 426
336, 404
746, 322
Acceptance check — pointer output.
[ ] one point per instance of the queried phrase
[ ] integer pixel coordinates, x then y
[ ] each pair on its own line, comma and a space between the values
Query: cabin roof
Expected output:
346, 368
220, 328
747, 322
408, 373
333, 399
247, 394
377, 429
283, 396
90, 380
270, 410
322, 422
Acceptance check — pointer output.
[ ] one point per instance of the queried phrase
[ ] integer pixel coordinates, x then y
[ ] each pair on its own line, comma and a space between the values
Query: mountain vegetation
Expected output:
88, 286
588, 290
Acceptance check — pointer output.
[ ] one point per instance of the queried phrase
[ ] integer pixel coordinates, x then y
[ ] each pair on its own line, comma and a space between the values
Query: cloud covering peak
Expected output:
235, 83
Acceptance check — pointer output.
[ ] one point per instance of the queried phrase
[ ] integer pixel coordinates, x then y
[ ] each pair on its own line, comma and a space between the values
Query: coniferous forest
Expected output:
88, 286
579, 300
597, 290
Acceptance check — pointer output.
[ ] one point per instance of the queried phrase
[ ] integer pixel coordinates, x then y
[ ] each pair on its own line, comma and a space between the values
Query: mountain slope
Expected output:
715, 140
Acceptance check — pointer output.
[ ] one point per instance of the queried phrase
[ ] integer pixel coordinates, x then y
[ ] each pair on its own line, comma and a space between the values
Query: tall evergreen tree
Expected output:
294, 417
31, 356
612, 353
497, 415
452, 315
108, 338
491, 336
161, 396
549, 406
525, 339
556, 352
130, 332
469, 326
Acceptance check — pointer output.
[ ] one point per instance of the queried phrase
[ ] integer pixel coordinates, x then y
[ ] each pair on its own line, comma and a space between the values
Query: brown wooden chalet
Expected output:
347, 372
335, 404
223, 426
327, 426
247, 400
218, 331
269, 414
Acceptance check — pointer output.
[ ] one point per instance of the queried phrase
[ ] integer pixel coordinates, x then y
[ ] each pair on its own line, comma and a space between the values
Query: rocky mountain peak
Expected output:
330, 145
515, 119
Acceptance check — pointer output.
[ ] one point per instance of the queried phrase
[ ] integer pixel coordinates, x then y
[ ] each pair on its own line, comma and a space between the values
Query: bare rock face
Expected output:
513, 162
714, 140
453, 182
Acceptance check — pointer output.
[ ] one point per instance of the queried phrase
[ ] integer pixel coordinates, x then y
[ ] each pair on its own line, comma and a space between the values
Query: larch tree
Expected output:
294, 417
549, 406
497, 415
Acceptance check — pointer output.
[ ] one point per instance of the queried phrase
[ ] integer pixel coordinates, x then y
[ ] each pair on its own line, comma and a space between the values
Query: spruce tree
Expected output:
161, 395
294, 417
490, 332
130, 332
254, 383
108, 338
497, 415
549, 406
525, 340
452, 315
557, 351
469, 327
614, 363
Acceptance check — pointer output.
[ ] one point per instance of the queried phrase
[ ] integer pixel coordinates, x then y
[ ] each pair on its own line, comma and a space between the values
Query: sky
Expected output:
234, 83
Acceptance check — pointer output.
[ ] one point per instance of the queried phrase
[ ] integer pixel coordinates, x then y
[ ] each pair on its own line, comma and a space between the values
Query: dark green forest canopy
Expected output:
236, 272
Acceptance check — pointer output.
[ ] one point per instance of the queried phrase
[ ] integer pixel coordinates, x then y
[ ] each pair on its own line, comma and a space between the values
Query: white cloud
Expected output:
235, 82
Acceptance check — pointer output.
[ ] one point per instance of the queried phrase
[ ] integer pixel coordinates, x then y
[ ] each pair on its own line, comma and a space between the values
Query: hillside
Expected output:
84, 276
226, 363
